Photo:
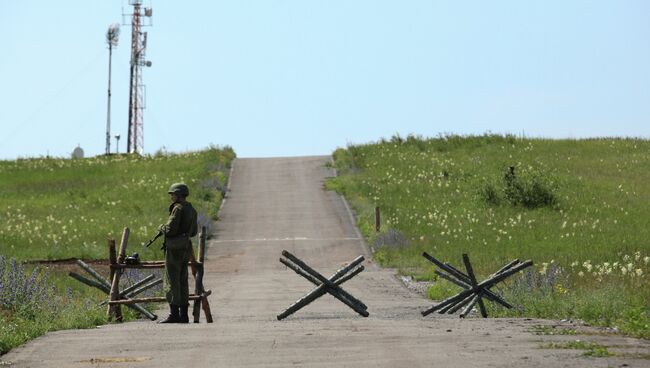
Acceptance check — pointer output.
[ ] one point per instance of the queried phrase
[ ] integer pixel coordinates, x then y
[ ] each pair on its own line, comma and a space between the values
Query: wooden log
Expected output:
143, 288
192, 262
470, 306
198, 289
155, 299
445, 267
455, 307
202, 239
112, 259
503, 275
115, 286
151, 265
302, 302
205, 305
377, 219
89, 282
470, 273
206, 310
325, 281
142, 310
347, 277
136, 285
316, 282
93, 273
506, 267
198, 279
114, 295
123, 243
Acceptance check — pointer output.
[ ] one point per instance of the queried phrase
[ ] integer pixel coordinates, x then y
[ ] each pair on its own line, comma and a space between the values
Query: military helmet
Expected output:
179, 188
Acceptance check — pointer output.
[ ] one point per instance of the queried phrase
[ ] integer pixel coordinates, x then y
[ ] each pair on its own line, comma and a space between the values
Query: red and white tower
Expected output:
135, 143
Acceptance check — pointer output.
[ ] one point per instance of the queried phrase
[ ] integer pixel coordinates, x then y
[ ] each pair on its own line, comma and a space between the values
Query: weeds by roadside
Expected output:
591, 349
31, 304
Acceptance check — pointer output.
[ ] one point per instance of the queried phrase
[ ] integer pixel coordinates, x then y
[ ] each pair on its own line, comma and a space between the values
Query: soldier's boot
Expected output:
174, 316
184, 318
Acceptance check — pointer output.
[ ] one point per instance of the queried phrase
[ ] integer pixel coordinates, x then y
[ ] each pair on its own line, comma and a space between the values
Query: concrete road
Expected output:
277, 204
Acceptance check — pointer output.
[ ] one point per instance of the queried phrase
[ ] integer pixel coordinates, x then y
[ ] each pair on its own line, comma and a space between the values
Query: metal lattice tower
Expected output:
135, 142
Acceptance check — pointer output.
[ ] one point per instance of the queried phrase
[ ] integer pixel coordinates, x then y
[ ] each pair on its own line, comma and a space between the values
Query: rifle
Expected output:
160, 233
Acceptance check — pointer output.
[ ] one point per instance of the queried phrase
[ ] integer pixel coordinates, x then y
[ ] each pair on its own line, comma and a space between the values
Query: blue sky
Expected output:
301, 77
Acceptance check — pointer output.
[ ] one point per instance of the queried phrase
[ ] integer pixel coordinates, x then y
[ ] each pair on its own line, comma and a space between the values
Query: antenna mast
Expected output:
112, 36
135, 143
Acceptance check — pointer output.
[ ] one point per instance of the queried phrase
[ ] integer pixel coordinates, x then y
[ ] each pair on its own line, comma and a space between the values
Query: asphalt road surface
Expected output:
277, 204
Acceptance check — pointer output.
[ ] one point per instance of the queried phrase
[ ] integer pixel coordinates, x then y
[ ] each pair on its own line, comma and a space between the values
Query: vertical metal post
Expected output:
108, 110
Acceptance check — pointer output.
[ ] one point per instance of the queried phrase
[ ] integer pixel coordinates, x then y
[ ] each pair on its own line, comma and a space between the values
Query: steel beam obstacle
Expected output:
324, 285
473, 292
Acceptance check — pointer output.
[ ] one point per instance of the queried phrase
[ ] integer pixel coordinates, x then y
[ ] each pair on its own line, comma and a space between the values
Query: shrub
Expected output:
530, 189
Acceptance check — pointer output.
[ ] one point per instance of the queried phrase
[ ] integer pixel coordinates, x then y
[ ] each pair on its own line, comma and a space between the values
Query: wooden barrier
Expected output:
473, 292
324, 285
127, 297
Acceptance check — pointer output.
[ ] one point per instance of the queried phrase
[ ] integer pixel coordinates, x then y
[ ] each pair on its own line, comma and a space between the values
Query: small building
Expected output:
78, 152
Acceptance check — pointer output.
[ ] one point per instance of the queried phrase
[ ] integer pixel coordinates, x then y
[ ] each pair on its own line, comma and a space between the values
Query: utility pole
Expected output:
112, 36
135, 138
117, 143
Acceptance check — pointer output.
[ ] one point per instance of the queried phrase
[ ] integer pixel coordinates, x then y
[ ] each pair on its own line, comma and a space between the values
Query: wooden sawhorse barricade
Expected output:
118, 265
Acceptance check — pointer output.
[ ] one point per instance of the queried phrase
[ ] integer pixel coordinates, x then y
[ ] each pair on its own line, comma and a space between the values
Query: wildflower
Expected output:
638, 272
542, 270
581, 273
646, 259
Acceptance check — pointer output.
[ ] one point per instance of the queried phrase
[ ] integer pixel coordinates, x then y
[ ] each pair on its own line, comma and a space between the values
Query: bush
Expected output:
530, 189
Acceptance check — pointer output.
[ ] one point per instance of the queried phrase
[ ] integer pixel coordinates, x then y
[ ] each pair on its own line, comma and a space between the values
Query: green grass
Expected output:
62, 208
577, 208
552, 330
592, 349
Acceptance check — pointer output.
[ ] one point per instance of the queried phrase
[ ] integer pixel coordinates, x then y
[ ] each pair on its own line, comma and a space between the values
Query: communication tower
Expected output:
140, 17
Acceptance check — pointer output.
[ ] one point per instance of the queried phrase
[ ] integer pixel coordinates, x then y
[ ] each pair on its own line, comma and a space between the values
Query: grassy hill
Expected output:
578, 208
61, 208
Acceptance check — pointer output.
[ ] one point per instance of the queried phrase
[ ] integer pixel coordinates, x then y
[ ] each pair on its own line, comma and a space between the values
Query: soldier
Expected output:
178, 230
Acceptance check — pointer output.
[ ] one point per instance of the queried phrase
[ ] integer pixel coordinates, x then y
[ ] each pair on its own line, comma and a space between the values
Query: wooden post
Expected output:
377, 219
112, 260
123, 243
115, 310
202, 237
199, 289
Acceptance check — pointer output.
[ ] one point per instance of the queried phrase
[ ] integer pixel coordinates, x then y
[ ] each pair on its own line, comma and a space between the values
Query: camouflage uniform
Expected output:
178, 230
